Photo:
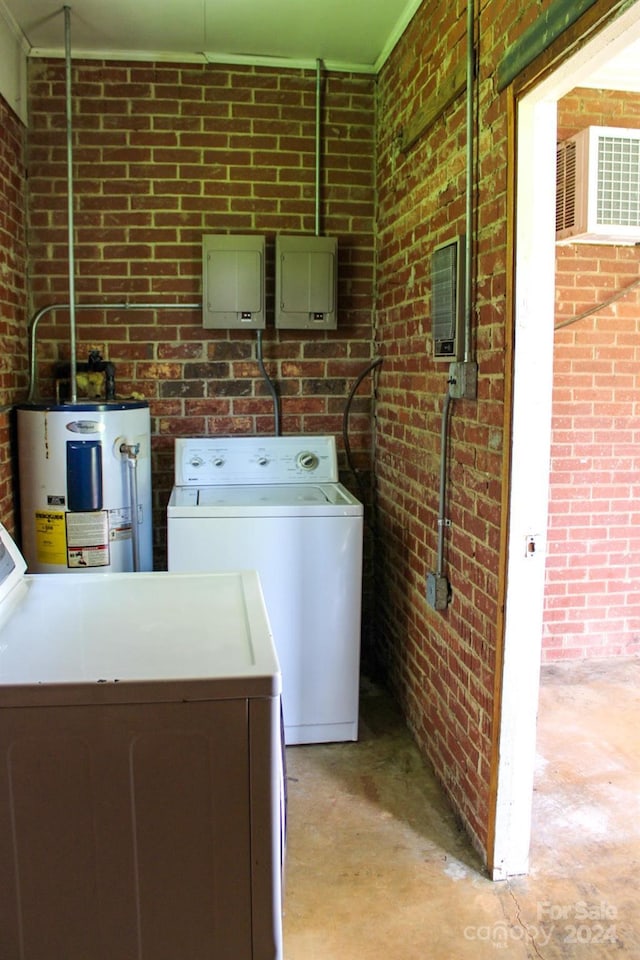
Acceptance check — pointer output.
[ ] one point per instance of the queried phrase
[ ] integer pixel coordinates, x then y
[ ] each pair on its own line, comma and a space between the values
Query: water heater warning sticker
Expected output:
120, 524
88, 539
51, 542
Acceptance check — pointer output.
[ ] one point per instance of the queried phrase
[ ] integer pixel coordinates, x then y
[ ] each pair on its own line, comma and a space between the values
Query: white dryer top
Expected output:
125, 637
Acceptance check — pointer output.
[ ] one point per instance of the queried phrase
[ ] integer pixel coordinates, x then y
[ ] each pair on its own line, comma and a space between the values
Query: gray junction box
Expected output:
233, 281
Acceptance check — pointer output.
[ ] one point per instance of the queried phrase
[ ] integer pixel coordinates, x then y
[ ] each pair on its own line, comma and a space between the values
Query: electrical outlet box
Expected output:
306, 282
233, 281
438, 591
463, 380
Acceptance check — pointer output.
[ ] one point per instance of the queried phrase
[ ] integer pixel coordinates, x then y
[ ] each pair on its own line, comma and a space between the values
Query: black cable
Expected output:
345, 423
270, 387
599, 306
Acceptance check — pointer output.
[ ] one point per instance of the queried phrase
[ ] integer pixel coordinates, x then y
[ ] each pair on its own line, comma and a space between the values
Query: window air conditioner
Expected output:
598, 187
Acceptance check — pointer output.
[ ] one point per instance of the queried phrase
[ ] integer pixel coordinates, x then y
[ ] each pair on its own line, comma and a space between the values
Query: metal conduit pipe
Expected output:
33, 327
73, 387
442, 494
438, 588
469, 179
318, 144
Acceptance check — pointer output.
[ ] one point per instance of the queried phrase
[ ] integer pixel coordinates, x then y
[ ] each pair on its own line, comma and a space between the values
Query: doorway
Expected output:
531, 438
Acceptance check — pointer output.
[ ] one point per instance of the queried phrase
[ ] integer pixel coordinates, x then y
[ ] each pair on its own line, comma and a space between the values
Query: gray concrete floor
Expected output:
378, 868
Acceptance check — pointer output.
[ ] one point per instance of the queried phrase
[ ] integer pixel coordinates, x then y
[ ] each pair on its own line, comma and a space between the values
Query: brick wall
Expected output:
166, 153
441, 664
592, 601
13, 360
162, 154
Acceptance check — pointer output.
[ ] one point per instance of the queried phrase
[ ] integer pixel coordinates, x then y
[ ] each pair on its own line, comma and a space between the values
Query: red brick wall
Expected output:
441, 664
13, 360
592, 601
162, 154
165, 153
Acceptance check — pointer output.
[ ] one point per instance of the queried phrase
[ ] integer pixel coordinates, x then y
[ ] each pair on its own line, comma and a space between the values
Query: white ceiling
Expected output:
353, 35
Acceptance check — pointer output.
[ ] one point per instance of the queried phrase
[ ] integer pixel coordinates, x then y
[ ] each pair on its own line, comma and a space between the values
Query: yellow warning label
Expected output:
51, 539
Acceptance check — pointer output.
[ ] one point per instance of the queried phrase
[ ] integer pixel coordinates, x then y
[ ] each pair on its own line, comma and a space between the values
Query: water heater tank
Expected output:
85, 486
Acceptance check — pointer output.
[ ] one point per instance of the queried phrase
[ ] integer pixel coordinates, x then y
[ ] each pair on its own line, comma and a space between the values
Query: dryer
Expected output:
275, 505
141, 776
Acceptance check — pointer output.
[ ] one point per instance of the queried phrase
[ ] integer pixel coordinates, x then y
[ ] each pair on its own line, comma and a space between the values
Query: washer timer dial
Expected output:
307, 460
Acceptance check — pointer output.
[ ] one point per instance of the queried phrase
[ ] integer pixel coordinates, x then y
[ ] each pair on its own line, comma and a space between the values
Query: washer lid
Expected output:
269, 500
284, 495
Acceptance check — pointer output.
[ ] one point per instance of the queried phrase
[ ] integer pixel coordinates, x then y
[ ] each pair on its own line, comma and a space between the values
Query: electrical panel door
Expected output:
306, 282
233, 281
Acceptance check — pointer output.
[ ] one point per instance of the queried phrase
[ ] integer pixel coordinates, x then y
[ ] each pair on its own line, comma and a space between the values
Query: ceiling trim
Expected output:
10, 21
55, 53
403, 22
166, 56
334, 66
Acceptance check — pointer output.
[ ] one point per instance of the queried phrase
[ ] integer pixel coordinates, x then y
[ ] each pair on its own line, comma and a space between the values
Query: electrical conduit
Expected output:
87, 306
73, 387
446, 406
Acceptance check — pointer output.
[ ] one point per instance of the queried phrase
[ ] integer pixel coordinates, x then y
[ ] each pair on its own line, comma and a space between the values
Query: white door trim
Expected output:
531, 439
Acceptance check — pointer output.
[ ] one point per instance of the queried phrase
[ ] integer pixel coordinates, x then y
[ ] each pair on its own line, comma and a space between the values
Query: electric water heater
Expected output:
85, 486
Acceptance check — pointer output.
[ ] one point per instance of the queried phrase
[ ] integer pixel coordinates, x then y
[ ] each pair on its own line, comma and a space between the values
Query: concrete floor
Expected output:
377, 867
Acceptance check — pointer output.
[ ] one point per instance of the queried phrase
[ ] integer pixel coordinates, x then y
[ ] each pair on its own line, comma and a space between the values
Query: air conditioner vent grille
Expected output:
447, 300
618, 181
566, 185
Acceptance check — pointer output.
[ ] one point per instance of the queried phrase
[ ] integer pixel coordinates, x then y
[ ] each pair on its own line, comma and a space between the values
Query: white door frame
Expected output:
531, 439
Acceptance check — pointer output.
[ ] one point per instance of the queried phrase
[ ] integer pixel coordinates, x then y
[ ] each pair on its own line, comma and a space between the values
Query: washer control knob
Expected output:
263, 461
196, 461
307, 460
218, 461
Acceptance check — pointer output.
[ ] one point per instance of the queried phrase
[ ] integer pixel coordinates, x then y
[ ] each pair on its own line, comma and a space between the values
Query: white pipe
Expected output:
72, 296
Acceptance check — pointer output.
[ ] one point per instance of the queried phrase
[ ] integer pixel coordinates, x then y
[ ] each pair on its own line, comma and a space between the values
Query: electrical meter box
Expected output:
306, 282
233, 281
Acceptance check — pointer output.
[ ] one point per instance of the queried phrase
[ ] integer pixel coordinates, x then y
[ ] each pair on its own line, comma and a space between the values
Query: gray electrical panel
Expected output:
306, 282
233, 281
447, 299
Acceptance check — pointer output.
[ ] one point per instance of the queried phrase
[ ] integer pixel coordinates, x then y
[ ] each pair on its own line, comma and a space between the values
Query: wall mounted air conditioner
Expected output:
598, 187
447, 299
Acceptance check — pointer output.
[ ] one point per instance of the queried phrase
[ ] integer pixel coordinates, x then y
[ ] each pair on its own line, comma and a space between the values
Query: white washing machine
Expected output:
141, 777
274, 504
